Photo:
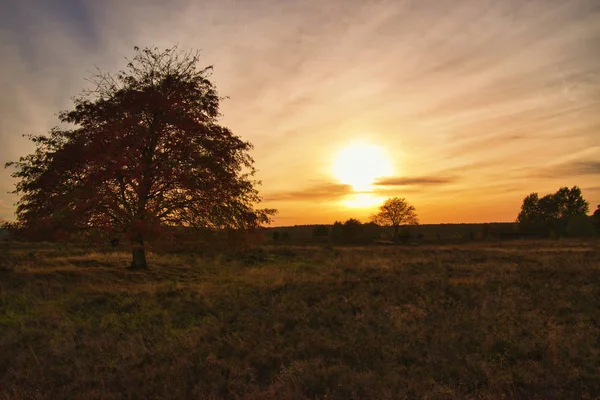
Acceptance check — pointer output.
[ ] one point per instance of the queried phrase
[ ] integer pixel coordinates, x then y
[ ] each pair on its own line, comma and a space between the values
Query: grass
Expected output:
481, 321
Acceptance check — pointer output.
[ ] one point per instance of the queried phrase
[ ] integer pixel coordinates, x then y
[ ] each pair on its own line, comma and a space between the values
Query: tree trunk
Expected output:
396, 227
139, 256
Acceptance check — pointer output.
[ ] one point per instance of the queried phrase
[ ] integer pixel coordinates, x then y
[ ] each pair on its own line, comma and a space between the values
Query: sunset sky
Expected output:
461, 107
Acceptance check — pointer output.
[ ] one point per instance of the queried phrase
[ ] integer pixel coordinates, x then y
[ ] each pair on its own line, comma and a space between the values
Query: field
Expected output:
484, 320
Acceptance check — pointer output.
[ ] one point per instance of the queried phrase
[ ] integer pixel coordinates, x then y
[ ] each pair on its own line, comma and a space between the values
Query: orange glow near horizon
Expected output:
362, 200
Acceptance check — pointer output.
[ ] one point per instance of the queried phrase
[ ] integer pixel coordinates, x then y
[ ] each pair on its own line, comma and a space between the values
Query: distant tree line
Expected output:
560, 214
394, 213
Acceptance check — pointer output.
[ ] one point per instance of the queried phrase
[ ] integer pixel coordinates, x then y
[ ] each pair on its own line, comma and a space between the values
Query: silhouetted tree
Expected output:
547, 213
530, 214
352, 230
395, 212
337, 232
146, 151
570, 202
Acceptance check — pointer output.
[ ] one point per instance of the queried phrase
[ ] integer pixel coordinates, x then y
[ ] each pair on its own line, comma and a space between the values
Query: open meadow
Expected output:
484, 320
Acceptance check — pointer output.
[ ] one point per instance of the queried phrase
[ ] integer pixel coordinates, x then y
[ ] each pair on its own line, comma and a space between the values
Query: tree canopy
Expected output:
143, 150
396, 212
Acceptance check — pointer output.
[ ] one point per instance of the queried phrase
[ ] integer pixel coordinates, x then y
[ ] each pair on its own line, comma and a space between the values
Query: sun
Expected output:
359, 165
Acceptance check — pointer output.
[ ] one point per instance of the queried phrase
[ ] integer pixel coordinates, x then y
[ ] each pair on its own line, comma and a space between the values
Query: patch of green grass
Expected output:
519, 320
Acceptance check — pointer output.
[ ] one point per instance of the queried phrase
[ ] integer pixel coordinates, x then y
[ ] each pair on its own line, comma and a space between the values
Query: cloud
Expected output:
320, 192
415, 181
584, 168
334, 191
568, 169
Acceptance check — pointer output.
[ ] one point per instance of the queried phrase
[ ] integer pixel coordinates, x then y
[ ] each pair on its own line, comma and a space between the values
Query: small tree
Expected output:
395, 212
352, 230
145, 151
530, 214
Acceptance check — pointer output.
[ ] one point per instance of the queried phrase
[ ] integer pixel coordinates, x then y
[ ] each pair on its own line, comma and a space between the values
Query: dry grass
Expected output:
480, 321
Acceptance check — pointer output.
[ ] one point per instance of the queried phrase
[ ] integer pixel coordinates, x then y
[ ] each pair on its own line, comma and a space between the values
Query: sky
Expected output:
461, 107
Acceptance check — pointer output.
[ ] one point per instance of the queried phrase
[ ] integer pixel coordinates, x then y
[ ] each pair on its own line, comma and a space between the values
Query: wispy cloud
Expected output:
320, 192
584, 167
417, 180
569, 169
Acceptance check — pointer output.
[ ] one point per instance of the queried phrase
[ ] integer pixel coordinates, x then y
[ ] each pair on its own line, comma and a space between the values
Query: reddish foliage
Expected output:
145, 151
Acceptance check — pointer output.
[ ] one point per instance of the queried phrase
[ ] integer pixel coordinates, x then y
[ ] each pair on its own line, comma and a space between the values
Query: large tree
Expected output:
141, 150
396, 212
